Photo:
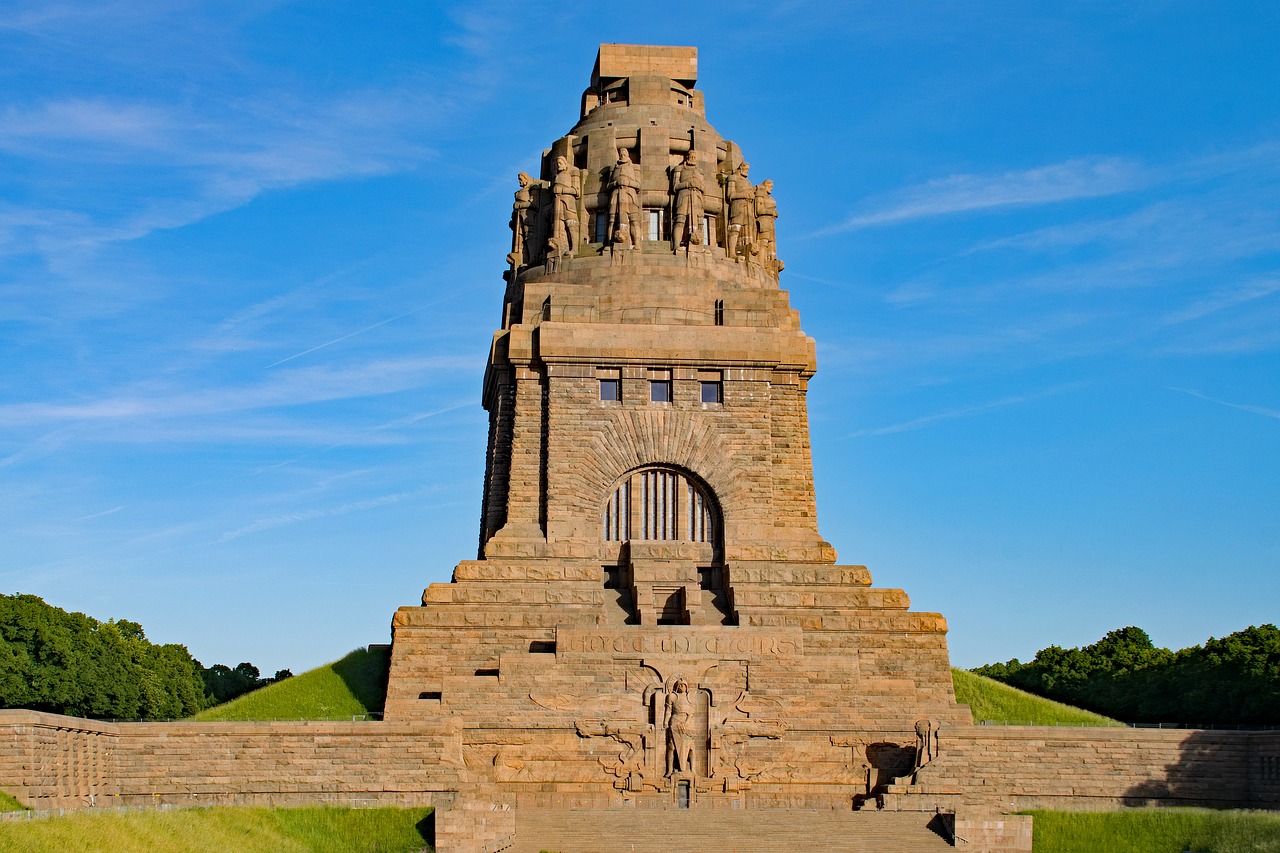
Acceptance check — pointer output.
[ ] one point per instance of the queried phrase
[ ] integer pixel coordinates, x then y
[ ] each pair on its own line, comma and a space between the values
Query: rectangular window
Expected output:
708, 230
660, 390
611, 390
655, 225
719, 312
711, 385
602, 227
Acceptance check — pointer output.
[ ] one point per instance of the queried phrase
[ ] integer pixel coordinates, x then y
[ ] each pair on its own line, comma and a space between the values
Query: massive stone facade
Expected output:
653, 619
654, 616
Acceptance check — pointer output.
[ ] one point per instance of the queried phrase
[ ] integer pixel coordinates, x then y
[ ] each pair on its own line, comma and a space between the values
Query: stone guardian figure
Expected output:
678, 719
624, 201
689, 190
523, 211
766, 224
566, 189
741, 196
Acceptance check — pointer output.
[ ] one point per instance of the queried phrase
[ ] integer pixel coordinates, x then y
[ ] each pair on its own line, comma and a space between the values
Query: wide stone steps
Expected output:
723, 831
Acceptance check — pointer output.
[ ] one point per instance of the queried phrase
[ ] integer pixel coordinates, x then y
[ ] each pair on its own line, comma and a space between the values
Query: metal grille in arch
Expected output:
658, 503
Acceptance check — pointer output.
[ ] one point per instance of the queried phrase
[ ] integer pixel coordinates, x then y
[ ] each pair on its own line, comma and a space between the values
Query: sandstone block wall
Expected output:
1011, 768
51, 761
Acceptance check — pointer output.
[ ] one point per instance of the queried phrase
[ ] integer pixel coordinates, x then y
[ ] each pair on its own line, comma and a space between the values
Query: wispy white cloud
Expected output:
169, 165
313, 514
1086, 177
1244, 407
962, 412
1224, 299
287, 388
104, 512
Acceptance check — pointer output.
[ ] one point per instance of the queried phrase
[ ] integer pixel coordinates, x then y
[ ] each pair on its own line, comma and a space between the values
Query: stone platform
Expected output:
687, 831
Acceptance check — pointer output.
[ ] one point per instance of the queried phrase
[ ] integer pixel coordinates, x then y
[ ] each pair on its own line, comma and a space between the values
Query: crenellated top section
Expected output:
641, 174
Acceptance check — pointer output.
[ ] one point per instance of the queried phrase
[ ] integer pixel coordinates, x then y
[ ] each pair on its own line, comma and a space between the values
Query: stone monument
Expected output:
653, 615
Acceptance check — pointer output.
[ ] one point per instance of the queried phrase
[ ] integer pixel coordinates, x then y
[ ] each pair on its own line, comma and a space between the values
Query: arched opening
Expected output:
661, 503
654, 514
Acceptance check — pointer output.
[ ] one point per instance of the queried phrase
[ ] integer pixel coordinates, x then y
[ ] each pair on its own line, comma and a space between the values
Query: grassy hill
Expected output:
245, 830
352, 686
996, 703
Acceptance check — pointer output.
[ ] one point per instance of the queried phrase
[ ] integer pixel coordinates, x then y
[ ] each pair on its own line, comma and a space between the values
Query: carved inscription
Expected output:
720, 645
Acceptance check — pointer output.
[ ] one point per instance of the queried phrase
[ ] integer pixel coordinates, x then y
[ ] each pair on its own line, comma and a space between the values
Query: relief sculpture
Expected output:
678, 720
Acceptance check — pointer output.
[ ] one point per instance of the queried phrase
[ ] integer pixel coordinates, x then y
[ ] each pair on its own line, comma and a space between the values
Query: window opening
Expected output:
546, 308
682, 794
710, 578
660, 390
672, 506
655, 225
712, 392
610, 390
433, 695
602, 227
719, 312
617, 514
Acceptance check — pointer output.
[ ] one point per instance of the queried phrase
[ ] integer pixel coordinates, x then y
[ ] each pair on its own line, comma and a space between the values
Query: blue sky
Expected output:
251, 256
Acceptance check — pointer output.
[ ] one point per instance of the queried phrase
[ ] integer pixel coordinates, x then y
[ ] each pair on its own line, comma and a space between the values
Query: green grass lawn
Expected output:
243, 830
996, 703
9, 804
354, 685
1157, 831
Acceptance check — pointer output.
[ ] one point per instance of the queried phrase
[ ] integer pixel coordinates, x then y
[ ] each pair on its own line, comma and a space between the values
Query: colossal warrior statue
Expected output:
687, 182
566, 189
652, 614
766, 221
624, 205
523, 211
742, 216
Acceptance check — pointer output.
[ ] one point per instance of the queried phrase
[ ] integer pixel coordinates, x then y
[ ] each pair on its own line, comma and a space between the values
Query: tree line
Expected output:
69, 663
1234, 680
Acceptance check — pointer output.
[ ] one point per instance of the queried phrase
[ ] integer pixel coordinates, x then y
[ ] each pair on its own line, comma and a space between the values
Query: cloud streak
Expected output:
313, 514
289, 388
1244, 407
1086, 177
961, 412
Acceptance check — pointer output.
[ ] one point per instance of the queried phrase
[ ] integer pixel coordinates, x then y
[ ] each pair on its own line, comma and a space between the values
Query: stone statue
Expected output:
566, 189
741, 196
766, 219
624, 201
687, 182
523, 212
926, 744
678, 720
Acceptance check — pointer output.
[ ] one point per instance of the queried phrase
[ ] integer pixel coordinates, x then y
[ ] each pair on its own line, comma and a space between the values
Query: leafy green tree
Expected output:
69, 663
1230, 681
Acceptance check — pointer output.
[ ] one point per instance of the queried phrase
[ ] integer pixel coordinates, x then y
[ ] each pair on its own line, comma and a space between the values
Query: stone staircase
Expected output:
724, 831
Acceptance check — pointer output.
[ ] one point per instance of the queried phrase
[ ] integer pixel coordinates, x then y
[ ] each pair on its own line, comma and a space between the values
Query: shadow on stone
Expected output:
1212, 770
364, 671
427, 828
